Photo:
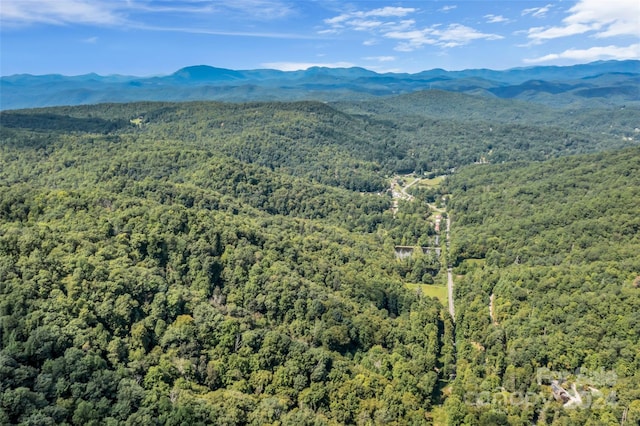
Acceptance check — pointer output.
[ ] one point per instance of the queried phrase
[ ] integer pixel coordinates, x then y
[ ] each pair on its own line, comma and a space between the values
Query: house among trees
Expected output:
559, 393
438, 220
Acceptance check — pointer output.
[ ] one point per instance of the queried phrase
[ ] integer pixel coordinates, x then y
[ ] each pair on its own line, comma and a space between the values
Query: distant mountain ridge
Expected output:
603, 83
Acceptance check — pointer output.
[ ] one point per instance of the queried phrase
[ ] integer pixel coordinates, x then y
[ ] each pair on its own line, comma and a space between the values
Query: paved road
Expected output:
404, 189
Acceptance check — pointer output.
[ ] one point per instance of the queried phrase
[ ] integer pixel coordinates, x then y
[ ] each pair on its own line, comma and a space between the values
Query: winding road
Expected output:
408, 196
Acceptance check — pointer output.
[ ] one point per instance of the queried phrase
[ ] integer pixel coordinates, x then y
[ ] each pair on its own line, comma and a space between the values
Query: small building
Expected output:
438, 220
559, 393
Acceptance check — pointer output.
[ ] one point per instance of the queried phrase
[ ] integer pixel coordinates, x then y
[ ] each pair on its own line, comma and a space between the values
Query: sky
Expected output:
158, 37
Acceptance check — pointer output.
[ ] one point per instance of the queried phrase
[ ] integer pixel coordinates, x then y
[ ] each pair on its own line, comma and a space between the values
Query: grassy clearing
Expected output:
431, 290
475, 262
432, 183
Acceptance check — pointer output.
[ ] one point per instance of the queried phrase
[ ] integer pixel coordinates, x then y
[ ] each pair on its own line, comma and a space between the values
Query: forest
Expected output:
153, 277
233, 263
553, 246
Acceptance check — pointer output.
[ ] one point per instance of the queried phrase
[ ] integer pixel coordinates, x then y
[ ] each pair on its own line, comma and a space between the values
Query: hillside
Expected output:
599, 84
464, 108
555, 246
351, 145
148, 277
206, 262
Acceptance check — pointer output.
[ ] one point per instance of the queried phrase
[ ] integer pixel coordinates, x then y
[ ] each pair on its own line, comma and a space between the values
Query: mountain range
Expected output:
597, 84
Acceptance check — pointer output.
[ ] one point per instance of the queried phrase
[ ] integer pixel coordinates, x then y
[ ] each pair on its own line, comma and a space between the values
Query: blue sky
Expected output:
156, 37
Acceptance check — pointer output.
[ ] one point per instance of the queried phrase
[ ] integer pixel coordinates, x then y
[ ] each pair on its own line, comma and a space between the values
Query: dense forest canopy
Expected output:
169, 271
352, 145
554, 248
213, 263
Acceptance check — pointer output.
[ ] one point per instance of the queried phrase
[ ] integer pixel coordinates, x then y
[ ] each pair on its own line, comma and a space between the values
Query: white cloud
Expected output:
447, 8
592, 54
352, 18
381, 12
495, 19
414, 39
113, 13
122, 13
603, 19
257, 9
58, 12
364, 25
252, 9
297, 66
195, 30
452, 36
90, 40
390, 11
170, 7
539, 34
400, 26
380, 58
328, 31
457, 35
538, 12
404, 30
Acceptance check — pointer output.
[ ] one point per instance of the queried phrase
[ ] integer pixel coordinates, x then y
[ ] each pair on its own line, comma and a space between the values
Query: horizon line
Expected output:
310, 66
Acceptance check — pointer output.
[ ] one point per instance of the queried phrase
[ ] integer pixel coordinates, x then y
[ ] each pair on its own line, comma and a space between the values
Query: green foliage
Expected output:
351, 145
435, 131
214, 263
149, 278
560, 241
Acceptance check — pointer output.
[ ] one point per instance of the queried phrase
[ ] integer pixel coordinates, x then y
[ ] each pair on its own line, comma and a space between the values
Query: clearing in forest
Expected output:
431, 290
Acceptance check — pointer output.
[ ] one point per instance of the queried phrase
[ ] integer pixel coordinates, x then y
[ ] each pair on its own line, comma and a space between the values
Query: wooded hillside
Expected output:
198, 271
210, 263
555, 245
